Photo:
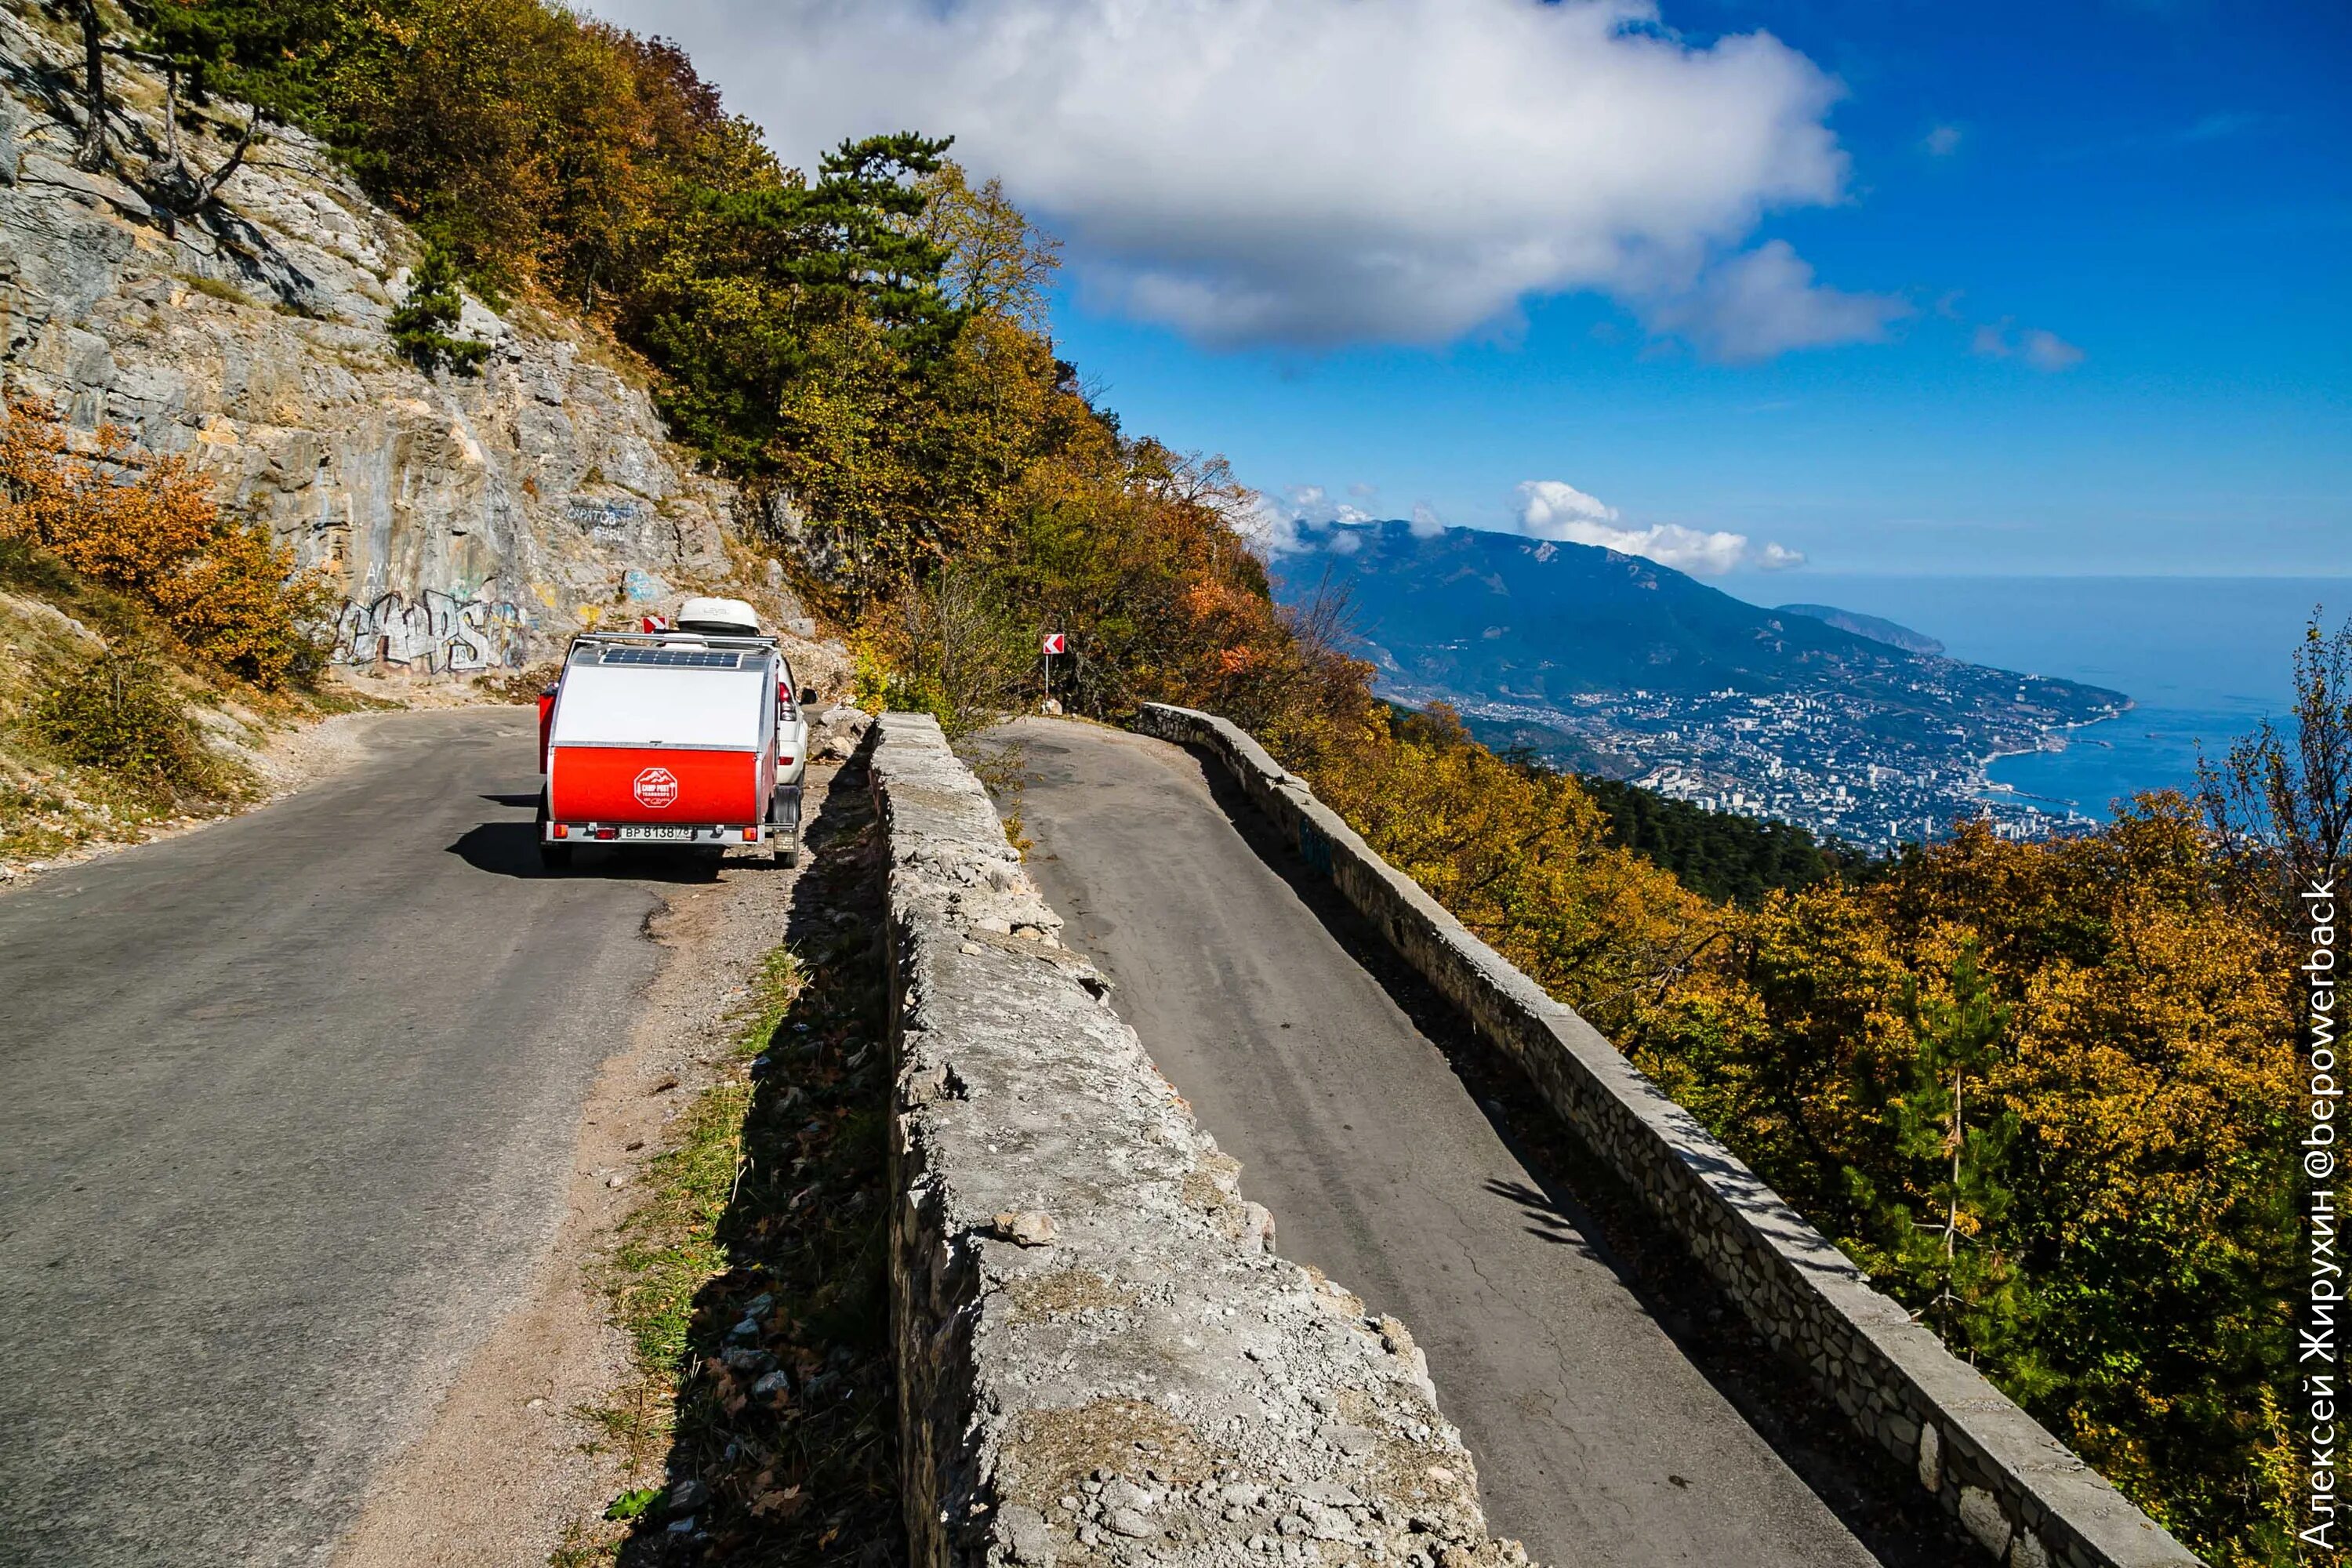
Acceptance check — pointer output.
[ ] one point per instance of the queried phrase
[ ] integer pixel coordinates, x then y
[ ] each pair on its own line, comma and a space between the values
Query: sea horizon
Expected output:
2203, 659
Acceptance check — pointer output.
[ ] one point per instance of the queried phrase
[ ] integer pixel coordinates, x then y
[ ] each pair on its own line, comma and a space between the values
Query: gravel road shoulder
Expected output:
510, 1462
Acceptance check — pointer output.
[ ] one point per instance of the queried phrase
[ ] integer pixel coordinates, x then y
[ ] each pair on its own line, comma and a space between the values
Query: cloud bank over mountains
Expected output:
1307, 518
1314, 172
1549, 508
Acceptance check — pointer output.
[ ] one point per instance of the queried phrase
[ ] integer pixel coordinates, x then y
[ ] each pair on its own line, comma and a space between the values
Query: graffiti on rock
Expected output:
438, 631
604, 518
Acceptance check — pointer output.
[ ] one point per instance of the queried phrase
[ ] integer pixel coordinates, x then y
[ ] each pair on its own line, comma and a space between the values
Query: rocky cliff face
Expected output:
471, 523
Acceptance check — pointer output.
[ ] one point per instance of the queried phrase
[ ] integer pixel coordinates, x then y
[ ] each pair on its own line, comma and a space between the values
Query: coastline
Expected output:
1984, 785
2160, 751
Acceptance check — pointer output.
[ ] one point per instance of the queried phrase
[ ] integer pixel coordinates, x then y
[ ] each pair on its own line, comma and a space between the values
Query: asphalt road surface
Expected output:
1597, 1442
287, 1108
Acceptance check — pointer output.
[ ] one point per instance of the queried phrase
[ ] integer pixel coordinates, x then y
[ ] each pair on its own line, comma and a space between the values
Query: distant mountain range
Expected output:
1500, 616
1870, 627
1612, 663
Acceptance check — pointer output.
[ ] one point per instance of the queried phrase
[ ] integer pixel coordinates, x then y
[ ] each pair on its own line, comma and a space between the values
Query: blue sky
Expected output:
2052, 289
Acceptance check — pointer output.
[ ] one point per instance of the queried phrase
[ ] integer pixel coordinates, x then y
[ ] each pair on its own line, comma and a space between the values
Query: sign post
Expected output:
1052, 644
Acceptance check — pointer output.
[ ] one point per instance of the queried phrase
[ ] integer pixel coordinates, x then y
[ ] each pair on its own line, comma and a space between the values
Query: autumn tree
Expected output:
997, 262
145, 522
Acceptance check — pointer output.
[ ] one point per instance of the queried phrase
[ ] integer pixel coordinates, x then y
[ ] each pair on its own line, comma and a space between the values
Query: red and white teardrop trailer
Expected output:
690, 737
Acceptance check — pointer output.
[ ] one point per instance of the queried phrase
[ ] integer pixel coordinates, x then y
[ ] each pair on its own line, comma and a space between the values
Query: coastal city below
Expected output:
1837, 763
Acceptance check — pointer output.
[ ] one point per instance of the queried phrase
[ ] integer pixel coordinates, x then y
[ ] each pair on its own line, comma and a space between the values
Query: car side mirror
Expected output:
808, 695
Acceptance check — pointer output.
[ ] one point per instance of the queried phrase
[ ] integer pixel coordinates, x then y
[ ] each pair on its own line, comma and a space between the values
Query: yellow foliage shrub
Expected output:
143, 520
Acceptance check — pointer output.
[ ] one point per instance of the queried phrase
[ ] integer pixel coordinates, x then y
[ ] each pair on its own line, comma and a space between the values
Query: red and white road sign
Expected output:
1057, 642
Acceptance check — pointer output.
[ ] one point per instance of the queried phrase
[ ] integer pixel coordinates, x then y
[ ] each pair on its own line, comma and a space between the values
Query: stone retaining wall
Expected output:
2021, 1494
1100, 1357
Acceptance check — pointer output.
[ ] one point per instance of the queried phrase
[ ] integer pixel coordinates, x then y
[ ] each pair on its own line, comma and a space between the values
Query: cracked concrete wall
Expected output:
471, 522
2021, 1494
1101, 1359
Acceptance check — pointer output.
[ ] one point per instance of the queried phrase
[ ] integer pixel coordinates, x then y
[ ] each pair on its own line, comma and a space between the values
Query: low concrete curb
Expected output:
1100, 1358
2028, 1500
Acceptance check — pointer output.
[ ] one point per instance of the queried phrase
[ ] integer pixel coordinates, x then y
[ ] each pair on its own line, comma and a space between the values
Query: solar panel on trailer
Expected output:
675, 658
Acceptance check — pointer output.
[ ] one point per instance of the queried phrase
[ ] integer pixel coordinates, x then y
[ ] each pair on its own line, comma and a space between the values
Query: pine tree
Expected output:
1953, 1141
420, 322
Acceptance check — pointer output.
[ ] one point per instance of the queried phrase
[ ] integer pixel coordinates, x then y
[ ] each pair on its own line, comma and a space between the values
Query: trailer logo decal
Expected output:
656, 787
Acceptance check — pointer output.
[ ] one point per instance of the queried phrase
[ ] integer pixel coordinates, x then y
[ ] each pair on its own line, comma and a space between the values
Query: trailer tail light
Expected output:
750, 836
608, 833
561, 830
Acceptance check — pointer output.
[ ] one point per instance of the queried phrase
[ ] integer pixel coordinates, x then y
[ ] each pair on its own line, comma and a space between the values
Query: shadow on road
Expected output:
511, 849
1572, 1199
785, 1415
1547, 1220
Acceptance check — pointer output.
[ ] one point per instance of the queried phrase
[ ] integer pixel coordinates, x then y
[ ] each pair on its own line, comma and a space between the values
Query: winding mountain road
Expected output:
1598, 1441
287, 1113
287, 1107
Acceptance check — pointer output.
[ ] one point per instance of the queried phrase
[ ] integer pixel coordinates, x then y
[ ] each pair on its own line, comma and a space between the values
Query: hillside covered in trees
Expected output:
2038, 1090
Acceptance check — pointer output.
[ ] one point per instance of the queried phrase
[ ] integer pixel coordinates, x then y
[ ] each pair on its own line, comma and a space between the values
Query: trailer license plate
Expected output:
661, 835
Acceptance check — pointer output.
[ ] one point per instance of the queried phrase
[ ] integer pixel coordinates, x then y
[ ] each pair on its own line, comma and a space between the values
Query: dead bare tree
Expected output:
2281, 803
93, 154
958, 639
177, 183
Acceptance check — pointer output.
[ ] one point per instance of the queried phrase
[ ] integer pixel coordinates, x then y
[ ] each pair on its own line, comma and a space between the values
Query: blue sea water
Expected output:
2203, 658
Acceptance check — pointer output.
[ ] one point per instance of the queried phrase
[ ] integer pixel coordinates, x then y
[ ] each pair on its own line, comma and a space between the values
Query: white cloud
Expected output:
1549, 508
1943, 141
1312, 505
2048, 351
1300, 519
1766, 303
1426, 523
1316, 171
1270, 531
2044, 350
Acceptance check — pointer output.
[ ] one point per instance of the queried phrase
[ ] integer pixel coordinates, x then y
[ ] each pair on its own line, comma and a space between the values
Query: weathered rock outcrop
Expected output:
1100, 1357
470, 522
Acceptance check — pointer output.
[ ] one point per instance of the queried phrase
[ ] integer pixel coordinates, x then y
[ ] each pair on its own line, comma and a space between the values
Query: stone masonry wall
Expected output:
1101, 1360
2022, 1495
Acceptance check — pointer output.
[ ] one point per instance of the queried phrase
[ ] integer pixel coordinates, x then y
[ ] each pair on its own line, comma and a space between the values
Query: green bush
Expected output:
118, 712
421, 323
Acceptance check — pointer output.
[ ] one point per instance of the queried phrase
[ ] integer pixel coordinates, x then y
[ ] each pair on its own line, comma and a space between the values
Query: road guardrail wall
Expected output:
1100, 1357
2023, 1496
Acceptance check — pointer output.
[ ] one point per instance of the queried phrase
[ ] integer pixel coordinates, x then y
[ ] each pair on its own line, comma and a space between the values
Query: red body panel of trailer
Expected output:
631, 784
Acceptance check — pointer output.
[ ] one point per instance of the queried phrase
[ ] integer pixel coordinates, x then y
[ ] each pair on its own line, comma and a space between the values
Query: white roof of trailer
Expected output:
713, 615
656, 705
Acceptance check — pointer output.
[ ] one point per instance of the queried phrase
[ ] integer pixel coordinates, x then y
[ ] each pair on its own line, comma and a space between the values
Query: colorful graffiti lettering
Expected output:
439, 631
